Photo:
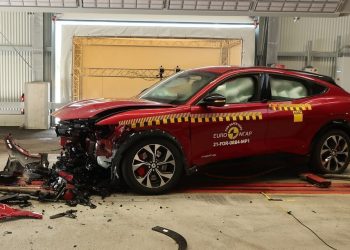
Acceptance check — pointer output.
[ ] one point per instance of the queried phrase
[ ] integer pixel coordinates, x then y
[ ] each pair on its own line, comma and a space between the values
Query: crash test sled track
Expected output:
276, 188
304, 183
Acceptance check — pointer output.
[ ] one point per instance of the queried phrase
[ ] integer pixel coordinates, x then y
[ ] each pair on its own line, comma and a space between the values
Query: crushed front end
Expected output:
86, 145
83, 167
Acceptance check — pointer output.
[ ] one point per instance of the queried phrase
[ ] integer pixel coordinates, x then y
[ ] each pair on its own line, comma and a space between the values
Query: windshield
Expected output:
179, 88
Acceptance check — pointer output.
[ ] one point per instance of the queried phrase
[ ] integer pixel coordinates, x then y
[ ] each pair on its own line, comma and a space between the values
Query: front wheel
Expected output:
331, 153
152, 166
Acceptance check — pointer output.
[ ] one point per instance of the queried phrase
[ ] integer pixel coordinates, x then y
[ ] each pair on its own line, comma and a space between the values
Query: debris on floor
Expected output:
72, 178
270, 198
316, 180
179, 239
7, 212
16, 199
69, 213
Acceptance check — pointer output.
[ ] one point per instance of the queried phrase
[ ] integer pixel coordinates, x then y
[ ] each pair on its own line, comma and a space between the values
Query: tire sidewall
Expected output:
316, 159
128, 174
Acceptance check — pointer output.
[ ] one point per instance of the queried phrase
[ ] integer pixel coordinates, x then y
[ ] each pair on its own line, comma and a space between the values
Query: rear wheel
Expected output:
331, 153
152, 166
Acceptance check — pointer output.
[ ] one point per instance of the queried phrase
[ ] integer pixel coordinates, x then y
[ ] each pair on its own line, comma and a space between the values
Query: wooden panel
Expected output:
98, 60
126, 87
235, 54
92, 87
149, 57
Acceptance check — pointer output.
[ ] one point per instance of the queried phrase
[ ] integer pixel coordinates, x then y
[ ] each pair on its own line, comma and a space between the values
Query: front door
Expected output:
235, 130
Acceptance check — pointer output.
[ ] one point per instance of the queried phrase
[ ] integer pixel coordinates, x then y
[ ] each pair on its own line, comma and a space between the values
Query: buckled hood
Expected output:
93, 107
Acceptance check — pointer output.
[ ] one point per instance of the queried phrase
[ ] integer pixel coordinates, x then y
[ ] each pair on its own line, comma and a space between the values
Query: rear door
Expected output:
293, 116
235, 130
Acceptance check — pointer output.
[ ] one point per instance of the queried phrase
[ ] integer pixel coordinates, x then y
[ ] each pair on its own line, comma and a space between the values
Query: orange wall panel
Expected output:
108, 54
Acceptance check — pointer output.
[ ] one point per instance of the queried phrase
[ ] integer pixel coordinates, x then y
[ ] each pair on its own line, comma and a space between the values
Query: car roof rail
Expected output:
318, 76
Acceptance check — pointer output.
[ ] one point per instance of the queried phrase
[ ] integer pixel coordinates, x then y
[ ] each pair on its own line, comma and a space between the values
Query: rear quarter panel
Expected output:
331, 106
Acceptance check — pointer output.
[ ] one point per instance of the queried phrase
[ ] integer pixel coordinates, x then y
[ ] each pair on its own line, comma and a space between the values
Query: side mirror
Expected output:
215, 100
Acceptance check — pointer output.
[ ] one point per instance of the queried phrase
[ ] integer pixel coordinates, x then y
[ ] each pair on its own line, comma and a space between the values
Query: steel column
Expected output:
272, 41
38, 47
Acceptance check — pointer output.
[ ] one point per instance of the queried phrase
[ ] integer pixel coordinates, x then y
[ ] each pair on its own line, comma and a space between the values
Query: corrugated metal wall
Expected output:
323, 33
16, 27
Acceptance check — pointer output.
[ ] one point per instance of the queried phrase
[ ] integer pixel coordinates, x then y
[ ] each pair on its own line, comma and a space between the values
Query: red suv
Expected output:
207, 115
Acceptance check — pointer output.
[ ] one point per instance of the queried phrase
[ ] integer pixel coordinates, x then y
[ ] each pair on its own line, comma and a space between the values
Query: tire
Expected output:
141, 168
331, 152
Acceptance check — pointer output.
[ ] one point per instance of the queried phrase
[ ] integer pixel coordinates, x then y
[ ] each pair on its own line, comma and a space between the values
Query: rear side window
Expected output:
288, 88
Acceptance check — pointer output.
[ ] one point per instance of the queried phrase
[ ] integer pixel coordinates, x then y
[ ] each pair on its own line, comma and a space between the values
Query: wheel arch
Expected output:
136, 136
343, 125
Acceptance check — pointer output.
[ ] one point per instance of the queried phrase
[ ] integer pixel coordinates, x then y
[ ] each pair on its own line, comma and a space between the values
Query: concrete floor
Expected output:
207, 221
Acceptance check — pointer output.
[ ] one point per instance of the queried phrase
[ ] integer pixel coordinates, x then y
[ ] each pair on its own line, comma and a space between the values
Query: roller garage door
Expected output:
122, 67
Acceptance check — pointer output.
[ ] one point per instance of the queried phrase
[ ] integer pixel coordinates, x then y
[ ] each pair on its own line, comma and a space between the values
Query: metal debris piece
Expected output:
7, 212
180, 240
21, 160
16, 199
271, 199
6, 198
34, 190
69, 213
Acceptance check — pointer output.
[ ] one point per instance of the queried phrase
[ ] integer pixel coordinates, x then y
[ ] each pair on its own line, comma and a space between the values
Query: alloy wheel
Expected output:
153, 165
334, 153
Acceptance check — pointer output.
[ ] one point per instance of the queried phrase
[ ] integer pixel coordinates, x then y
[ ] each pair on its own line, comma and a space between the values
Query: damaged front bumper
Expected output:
29, 173
20, 160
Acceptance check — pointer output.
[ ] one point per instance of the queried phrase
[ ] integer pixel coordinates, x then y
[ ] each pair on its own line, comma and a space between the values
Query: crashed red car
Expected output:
206, 115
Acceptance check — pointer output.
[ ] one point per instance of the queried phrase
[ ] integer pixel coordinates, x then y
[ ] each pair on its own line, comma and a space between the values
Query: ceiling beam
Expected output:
346, 7
165, 12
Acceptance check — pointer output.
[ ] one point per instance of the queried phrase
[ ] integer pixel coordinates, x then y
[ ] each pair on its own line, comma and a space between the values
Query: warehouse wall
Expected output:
323, 32
15, 30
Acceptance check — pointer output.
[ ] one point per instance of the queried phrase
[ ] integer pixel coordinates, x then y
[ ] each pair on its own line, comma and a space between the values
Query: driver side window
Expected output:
238, 90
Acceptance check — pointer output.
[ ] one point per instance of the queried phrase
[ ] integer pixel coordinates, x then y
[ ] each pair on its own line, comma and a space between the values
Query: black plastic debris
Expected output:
179, 239
16, 199
69, 213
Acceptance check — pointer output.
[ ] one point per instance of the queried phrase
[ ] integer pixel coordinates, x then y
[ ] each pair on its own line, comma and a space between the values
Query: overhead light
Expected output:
40, 3
123, 4
158, 24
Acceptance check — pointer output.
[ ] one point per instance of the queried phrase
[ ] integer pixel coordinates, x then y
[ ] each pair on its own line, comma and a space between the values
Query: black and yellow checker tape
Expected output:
157, 120
226, 117
297, 109
194, 118
290, 107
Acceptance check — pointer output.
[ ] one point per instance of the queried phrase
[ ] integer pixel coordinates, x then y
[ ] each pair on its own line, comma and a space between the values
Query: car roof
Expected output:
226, 69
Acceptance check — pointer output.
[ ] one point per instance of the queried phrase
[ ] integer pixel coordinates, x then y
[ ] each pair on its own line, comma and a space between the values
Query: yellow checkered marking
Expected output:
195, 118
297, 109
290, 107
298, 116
